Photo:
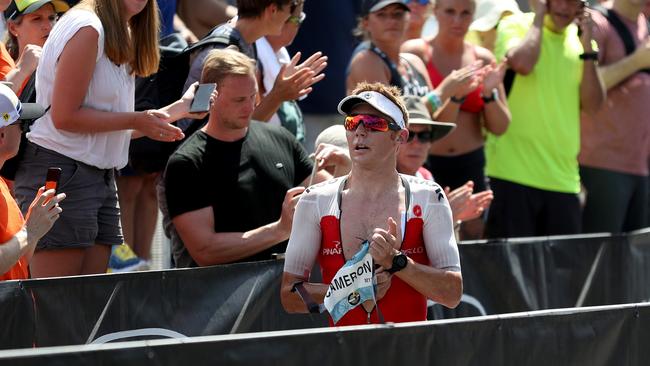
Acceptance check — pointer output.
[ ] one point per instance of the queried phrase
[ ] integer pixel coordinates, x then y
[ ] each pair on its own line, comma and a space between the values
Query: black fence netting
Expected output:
499, 277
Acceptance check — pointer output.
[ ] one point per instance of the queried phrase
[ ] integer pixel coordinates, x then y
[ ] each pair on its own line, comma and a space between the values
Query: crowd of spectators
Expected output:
531, 122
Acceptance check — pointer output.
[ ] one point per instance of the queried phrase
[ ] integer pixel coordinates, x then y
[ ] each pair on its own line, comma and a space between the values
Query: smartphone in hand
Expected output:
201, 101
52, 178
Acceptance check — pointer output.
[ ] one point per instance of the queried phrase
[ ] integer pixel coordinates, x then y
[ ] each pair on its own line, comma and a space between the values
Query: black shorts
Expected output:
91, 214
454, 171
616, 202
520, 211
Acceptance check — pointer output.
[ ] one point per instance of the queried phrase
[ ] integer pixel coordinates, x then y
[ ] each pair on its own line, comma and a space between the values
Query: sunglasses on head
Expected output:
297, 19
422, 136
370, 122
421, 2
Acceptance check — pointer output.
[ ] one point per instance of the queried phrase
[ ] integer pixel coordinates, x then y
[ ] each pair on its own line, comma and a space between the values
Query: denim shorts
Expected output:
91, 213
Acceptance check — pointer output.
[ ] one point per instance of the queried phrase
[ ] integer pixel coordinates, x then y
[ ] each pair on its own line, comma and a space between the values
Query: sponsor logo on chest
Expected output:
337, 250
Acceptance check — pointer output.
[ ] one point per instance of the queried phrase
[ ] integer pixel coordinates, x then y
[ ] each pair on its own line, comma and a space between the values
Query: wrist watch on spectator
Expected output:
589, 56
492, 97
458, 100
399, 263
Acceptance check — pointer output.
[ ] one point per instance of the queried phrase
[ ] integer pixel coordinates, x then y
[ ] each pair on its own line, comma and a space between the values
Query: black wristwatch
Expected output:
399, 263
493, 96
458, 100
589, 56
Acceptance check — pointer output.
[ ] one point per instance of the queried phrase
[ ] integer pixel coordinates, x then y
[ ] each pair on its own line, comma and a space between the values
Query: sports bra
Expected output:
411, 84
473, 102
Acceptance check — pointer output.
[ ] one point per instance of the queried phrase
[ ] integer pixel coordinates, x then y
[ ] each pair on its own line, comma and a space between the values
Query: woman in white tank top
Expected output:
86, 75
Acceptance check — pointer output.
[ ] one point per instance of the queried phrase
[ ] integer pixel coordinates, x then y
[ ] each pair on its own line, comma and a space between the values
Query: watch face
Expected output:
400, 261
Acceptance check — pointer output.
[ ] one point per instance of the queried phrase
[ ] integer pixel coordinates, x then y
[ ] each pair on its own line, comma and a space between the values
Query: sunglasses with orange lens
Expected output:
370, 122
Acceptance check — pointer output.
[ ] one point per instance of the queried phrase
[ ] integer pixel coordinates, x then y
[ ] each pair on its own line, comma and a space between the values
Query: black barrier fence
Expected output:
500, 277
612, 335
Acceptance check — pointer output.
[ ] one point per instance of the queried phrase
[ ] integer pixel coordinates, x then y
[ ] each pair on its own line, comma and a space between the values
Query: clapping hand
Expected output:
493, 75
461, 82
295, 81
466, 205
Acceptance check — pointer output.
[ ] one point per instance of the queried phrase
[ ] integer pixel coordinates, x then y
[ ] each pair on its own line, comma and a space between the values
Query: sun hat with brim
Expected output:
489, 12
419, 115
333, 135
371, 6
12, 110
378, 101
22, 7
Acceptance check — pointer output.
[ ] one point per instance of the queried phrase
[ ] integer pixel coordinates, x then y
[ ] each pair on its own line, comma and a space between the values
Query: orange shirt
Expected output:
6, 62
11, 221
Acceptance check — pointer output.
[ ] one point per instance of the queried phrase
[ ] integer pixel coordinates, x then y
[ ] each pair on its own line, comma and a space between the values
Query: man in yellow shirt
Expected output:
533, 167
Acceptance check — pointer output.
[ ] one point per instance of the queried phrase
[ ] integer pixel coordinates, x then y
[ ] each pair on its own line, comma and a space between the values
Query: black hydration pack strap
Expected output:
621, 29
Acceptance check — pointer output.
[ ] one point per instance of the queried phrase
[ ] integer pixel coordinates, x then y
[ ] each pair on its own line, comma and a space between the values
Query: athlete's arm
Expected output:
301, 256
440, 285
291, 300
441, 281
207, 247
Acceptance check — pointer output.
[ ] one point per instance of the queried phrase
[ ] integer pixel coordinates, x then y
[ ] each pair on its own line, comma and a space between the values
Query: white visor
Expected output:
377, 101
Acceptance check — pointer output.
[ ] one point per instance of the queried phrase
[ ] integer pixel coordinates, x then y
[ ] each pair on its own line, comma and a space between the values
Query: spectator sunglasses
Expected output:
370, 122
422, 136
421, 2
297, 19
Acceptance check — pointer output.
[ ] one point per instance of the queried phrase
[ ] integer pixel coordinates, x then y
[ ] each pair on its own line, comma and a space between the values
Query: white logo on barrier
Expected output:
352, 284
145, 332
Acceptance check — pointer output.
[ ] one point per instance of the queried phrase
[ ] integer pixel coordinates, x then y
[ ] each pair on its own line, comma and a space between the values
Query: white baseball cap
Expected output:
12, 110
333, 135
376, 100
489, 12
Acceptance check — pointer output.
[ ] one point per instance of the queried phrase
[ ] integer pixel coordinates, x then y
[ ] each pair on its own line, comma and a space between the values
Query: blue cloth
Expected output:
167, 11
328, 28
352, 285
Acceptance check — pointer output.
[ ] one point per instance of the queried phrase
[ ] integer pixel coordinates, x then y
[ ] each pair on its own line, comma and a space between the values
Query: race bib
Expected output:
352, 284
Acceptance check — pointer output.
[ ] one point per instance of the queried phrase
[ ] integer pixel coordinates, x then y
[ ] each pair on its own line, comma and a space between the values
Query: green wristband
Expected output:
434, 99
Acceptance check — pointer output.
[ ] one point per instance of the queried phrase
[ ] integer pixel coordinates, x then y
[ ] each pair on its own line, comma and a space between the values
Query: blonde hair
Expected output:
136, 45
391, 92
226, 62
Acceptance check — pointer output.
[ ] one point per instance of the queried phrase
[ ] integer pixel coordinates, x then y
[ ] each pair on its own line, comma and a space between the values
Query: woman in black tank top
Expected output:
378, 57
